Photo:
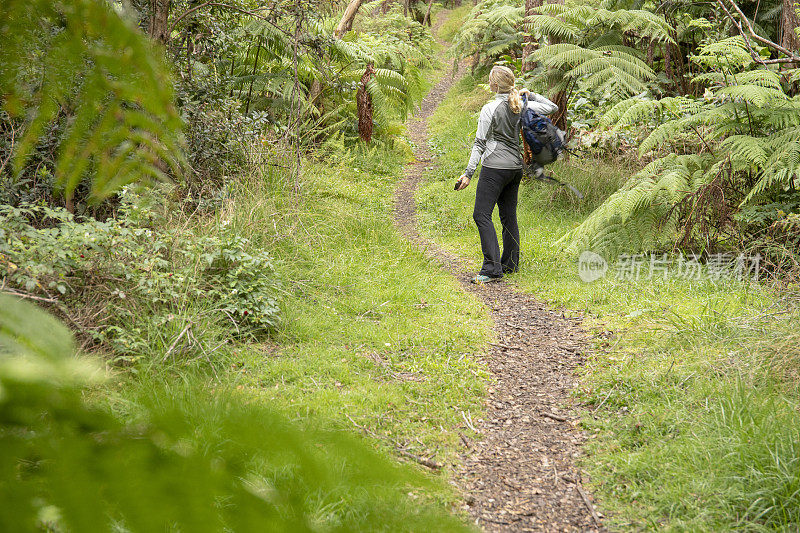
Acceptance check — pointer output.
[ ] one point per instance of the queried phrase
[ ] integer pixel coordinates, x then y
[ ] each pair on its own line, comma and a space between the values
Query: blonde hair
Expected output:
505, 82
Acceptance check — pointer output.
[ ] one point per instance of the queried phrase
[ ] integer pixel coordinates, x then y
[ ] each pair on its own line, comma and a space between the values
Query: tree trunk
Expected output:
255, 66
364, 104
668, 61
529, 44
789, 23
427, 19
346, 24
158, 27
561, 98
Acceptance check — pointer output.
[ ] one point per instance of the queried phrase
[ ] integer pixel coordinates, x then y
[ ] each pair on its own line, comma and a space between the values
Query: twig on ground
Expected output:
433, 465
551, 416
505, 346
604, 399
430, 463
588, 503
468, 422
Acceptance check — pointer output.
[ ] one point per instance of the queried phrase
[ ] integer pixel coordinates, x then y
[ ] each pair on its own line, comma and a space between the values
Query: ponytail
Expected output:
514, 100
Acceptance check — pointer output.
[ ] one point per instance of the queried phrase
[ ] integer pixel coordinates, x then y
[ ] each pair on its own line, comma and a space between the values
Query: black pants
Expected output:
498, 186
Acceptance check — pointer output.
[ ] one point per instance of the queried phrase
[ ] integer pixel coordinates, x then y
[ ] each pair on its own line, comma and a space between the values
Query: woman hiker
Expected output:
497, 146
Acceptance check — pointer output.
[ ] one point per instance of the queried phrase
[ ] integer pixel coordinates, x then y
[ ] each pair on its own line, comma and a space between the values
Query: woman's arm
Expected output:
539, 104
479, 146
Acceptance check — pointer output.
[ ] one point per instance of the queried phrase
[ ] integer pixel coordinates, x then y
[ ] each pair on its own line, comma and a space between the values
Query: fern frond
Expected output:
102, 69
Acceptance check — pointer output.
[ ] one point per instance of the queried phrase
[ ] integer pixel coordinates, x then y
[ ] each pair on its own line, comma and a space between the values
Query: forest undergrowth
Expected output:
692, 388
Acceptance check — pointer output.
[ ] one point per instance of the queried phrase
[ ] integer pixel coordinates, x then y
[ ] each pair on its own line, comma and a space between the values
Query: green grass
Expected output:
455, 19
694, 384
372, 329
373, 333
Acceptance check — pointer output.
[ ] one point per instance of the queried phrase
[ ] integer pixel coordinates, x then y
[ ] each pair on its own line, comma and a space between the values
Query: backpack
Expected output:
544, 140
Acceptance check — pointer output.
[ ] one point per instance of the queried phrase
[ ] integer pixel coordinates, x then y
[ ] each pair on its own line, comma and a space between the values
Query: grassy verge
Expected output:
373, 334
695, 423
372, 329
374, 337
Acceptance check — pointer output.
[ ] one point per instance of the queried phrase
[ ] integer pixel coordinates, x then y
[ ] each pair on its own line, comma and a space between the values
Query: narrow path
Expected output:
521, 476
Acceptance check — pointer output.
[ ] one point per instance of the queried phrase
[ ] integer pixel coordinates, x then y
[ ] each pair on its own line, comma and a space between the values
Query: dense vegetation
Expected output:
200, 192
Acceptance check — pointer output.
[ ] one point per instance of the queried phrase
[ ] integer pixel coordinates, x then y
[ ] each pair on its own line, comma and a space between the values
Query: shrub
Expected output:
120, 274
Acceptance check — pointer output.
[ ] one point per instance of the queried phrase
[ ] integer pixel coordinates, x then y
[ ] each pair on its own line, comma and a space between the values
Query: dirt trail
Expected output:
521, 476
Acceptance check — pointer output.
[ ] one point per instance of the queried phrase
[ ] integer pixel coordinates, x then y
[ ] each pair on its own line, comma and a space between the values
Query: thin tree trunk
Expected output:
364, 105
789, 23
427, 19
668, 61
346, 24
384, 7
255, 65
158, 27
561, 98
529, 43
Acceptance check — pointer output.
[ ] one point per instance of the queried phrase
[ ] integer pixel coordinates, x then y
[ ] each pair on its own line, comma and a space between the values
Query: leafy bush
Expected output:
136, 267
79, 66
188, 459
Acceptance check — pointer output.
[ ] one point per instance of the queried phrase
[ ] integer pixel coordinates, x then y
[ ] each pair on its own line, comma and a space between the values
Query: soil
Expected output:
521, 474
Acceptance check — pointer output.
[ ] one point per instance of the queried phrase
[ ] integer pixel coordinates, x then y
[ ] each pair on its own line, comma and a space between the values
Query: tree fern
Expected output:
100, 76
591, 53
746, 133
492, 29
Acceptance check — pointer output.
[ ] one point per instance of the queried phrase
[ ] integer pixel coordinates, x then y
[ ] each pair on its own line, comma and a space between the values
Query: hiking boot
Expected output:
480, 279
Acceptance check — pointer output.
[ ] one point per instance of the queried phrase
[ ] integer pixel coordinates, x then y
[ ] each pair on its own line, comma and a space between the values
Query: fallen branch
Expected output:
585, 497
433, 465
588, 503
29, 296
551, 416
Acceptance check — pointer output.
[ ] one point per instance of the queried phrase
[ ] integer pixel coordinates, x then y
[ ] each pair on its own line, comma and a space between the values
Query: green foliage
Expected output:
155, 266
594, 48
82, 65
745, 130
188, 458
492, 29
371, 328
264, 73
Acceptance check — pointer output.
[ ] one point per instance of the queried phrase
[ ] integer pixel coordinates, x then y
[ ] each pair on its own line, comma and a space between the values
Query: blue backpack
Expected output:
543, 138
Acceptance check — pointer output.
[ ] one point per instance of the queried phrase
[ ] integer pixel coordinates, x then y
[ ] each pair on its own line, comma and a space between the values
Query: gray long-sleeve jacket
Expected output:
497, 139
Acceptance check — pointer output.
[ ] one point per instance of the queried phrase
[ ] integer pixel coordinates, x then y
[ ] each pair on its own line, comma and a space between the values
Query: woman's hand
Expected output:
462, 182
